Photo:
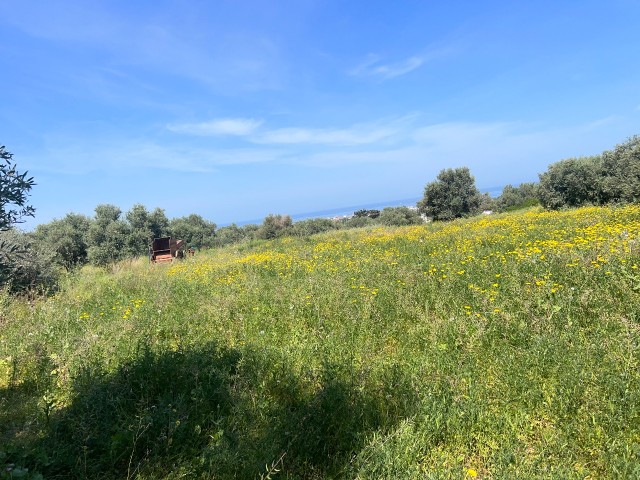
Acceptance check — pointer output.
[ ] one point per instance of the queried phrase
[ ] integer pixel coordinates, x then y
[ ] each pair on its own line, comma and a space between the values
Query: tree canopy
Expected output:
14, 190
452, 195
194, 230
20, 265
400, 216
66, 239
611, 177
274, 226
513, 198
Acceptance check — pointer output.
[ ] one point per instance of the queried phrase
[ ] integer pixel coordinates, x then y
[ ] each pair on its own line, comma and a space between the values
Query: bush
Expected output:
613, 177
399, 216
194, 230
306, 228
357, 222
274, 226
14, 189
25, 268
514, 198
367, 213
571, 183
66, 239
620, 180
229, 235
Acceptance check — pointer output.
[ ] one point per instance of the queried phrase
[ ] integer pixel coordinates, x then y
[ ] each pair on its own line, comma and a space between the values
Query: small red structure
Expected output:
165, 249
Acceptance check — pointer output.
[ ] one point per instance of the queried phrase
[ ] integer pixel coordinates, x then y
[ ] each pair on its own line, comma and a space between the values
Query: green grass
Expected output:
498, 347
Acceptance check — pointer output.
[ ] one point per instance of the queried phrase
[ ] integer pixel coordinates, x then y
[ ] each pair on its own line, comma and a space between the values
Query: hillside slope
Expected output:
497, 347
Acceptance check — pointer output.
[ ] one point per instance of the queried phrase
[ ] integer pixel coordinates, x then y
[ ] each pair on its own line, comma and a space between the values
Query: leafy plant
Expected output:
14, 190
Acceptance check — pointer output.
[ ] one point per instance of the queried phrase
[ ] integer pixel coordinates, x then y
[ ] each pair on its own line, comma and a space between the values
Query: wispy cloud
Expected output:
181, 44
343, 158
373, 66
122, 156
60, 155
381, 132
222, 126
358, 135
398, 69
490, 149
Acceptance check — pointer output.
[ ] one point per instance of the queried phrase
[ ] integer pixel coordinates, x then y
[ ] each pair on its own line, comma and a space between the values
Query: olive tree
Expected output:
26, 266
14, 251
399, 216
514, 198
571, 183
145, 226
312, 226
195, 230
452, 195
107, 237
14, 189
66, 239
274, 226
620, 181
611, 177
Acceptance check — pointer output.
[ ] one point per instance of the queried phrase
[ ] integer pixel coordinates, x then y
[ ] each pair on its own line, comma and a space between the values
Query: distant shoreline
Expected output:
349, 210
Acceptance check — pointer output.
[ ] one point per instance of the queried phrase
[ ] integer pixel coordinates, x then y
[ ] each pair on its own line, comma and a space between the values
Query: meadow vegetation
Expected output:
503, 346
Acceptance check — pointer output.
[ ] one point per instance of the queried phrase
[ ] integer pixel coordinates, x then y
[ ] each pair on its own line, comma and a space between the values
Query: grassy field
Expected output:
497, 347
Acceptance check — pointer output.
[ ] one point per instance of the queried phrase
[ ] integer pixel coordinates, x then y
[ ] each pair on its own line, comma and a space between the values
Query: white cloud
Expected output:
358, 134
242, 156
318, 136
380, 132
223, 126
493, 151
372, 67
345, 158
398, 69
364, 67
116, 154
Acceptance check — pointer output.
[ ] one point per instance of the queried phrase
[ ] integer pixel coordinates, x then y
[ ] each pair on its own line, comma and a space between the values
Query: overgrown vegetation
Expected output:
25, 268
504, 346
513, 198
17, 270
612, 177
14, 192
111, 236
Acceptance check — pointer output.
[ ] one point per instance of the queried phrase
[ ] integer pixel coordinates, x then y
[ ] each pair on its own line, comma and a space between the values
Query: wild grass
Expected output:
497, 347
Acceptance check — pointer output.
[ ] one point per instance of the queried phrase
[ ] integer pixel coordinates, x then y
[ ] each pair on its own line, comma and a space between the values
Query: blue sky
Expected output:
237, 109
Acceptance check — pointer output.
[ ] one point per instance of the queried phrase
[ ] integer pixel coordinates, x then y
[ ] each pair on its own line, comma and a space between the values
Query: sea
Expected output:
349, 210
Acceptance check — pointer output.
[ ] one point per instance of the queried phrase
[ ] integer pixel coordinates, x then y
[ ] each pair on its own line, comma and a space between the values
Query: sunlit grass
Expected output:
502, 346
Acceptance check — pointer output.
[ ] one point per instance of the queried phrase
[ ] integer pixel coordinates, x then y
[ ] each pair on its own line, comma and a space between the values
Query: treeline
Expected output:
609, 178
35, 259
111, 236
613, 177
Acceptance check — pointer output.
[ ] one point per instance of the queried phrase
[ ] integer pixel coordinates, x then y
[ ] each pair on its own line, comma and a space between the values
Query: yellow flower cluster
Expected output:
587, 238
126, 308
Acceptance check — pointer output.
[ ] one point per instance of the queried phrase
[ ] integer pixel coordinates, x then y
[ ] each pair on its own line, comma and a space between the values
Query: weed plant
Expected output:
505, 346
